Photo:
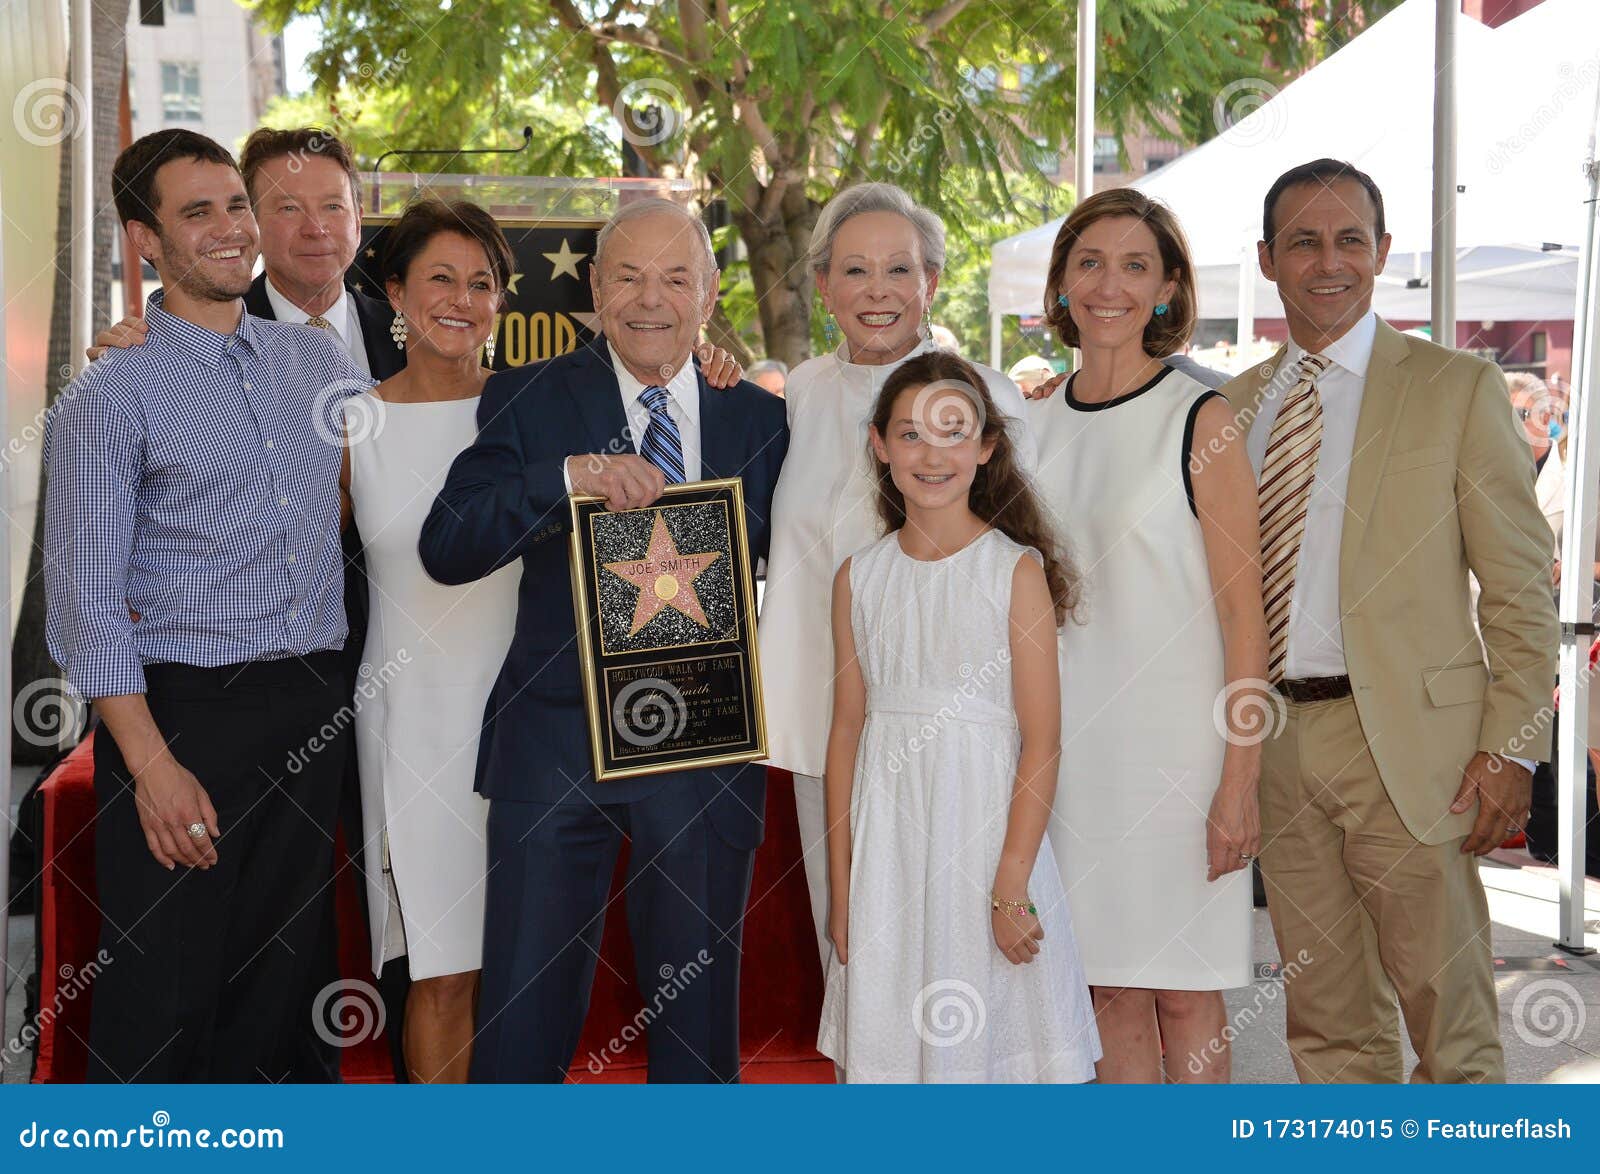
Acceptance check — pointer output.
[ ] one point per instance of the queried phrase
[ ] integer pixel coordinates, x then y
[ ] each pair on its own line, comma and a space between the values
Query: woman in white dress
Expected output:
876, 257
432, 651
1163, 696
953, 947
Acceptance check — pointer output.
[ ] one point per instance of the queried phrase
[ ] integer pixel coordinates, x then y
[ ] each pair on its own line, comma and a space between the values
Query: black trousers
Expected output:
205, 966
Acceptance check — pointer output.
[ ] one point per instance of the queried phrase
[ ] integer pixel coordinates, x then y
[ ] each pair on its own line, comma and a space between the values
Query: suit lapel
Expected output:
598, 398
1256, 383
719, 455
256, 301
1381, 401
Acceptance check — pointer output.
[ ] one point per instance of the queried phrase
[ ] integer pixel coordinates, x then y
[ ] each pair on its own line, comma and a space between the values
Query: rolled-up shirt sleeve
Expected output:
94, 455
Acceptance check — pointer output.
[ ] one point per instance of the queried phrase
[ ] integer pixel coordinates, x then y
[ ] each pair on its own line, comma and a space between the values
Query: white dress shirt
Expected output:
683, 405
1315, 644
343, 321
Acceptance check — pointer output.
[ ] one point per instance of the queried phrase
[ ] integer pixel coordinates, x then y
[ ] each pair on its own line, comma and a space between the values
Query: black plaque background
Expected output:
707, 738
547, 314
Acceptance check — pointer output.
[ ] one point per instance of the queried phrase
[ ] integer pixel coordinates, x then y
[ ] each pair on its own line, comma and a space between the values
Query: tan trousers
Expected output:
1345, 878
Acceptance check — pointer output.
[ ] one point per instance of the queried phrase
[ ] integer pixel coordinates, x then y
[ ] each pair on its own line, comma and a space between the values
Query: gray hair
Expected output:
875, 197
651, 206
762, 366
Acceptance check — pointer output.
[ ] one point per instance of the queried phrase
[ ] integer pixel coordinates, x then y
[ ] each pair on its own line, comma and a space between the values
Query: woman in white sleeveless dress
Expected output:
954, 958
432, 652
1162, 684
876, 256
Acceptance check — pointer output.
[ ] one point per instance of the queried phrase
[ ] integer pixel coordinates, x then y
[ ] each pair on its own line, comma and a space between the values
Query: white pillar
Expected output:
81, 143
1246, 327
1444, 172
5, 660
996, 319
1577, 546
1086, 72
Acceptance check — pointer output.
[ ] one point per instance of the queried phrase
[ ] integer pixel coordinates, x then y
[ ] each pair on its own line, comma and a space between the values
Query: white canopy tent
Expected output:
1372, 103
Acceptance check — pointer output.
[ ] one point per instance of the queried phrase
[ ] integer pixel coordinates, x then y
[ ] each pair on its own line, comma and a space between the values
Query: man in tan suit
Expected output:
1389, 468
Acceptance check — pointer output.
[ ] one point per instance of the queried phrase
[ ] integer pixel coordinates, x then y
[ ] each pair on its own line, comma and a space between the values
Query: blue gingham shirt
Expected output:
195, 479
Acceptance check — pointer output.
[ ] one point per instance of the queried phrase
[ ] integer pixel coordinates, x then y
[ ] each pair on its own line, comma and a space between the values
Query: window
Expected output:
180, 91
1539, 346
180, 7
1105, 154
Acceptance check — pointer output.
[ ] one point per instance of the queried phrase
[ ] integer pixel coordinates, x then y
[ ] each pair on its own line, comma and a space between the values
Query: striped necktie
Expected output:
1287, 474
661, 446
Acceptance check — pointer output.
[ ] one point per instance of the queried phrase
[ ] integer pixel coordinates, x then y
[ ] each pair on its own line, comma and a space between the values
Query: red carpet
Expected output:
781, 983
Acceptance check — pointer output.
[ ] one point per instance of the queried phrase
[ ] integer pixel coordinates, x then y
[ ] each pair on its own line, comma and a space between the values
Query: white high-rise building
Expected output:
210, 68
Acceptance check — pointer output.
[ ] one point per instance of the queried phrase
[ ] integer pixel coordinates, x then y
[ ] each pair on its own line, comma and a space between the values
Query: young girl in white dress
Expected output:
953, 955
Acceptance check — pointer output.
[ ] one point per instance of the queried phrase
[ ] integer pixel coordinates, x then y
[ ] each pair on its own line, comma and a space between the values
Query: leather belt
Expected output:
1304, 690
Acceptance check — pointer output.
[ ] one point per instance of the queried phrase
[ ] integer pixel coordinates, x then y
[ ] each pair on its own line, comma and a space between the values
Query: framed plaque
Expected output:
666, 610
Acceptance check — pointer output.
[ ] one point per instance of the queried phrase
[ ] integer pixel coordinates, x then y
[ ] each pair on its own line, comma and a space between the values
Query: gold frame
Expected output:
744, 585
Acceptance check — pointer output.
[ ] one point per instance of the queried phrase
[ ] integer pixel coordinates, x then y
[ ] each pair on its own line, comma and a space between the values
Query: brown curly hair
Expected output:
1001, 494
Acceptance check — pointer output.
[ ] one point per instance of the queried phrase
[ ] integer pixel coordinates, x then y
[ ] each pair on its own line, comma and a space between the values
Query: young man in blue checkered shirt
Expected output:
195, 593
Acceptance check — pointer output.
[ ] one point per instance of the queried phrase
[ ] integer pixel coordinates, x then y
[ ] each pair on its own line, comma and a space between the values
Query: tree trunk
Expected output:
39, 717
782, 279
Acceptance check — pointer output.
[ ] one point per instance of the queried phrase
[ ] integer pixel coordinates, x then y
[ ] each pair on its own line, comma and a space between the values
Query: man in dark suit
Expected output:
579, 423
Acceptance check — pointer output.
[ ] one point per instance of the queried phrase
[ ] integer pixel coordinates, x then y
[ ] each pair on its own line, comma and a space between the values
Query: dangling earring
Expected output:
1061, 299
397, 331
828, 332
927, 323
1161, 310
488, 351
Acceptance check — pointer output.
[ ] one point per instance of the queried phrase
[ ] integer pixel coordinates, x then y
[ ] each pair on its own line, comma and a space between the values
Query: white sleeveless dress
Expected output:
927, 996
431, 656
1141, 745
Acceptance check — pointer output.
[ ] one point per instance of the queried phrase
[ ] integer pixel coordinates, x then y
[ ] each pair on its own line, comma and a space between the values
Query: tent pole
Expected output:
1086, 67
81, 144
1444, 172
1577, 546
1245, 331
994, 339
5, 688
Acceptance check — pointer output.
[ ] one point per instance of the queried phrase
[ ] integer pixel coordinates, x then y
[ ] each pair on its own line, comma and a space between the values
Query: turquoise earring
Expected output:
1061, 299
1161, 310
828, 331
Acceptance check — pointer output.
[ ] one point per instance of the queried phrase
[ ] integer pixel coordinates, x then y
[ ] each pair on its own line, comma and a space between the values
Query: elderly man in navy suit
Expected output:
620, 418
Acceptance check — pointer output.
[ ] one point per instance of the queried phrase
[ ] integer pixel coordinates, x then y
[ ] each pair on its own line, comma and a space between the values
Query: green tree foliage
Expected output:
773, 105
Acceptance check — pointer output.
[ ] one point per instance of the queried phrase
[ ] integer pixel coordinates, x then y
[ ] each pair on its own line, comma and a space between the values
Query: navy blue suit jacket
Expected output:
505, 499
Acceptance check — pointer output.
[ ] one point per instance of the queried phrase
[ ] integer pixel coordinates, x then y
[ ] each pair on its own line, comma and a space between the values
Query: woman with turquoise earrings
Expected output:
1155, 821
876, 256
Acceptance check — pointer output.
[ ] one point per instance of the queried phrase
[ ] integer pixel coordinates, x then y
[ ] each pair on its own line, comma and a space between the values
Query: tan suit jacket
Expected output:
1440, 484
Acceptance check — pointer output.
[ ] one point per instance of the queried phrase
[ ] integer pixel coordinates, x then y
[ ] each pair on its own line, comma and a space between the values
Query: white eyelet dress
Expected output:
927, 996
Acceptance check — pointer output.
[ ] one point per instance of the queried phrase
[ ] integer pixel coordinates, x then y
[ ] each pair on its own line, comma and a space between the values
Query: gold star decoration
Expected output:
511, 286
565, 261
665, 578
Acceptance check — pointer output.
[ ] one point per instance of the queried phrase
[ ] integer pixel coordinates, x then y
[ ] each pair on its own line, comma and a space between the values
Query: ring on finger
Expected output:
197, 831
